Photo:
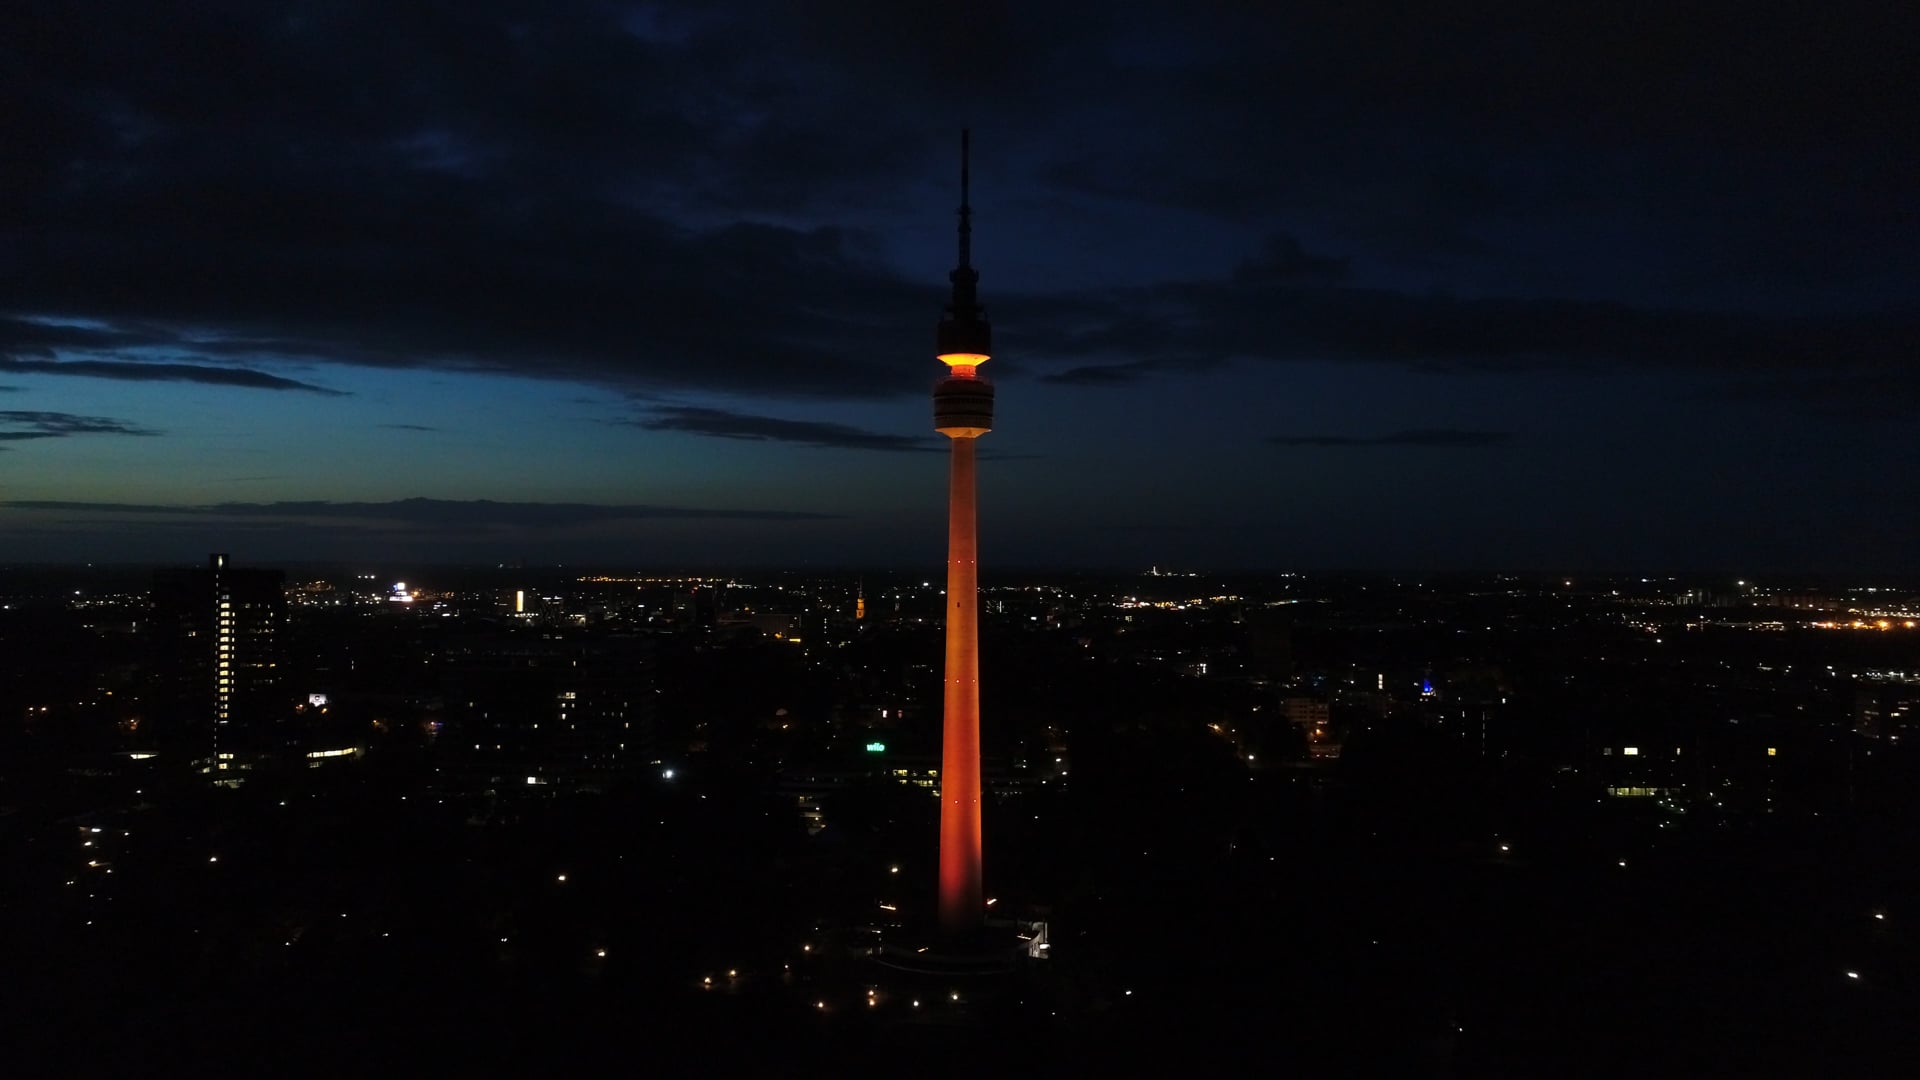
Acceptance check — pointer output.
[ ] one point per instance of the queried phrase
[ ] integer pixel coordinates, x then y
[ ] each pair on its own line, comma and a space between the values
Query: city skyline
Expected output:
647, 285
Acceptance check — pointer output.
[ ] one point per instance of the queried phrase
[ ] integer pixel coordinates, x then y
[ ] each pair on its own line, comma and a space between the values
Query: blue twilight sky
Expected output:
1321, 285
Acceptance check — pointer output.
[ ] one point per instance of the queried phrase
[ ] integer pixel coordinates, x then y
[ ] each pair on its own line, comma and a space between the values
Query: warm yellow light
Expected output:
963, 359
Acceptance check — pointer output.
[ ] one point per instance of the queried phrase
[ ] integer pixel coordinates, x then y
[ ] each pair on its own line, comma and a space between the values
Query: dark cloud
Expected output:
1133, 334
1284, 261
438, 513
410, 427
1450, 129
1849, 396
1100, 375
144, 371
634, 196
726, 424
1436, 437
201, 171
20, 425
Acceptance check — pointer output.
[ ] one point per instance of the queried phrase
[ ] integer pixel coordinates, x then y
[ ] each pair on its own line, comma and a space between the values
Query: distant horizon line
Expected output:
1772, 578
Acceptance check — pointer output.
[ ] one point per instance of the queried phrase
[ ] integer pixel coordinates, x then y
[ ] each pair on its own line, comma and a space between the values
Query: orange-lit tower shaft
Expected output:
962, 411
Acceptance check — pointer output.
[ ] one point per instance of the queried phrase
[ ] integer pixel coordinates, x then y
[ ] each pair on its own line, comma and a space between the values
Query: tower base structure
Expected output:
995, 947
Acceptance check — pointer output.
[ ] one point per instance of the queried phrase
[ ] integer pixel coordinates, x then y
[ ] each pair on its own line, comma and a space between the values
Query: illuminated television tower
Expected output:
962, 411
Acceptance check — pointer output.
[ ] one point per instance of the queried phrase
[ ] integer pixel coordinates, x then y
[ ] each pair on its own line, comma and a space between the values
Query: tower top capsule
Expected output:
965, 338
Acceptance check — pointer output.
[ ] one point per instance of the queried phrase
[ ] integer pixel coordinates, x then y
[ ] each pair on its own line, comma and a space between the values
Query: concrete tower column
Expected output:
961, 897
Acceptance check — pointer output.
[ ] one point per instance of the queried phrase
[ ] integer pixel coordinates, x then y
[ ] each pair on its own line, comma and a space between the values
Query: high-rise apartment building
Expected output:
216, 641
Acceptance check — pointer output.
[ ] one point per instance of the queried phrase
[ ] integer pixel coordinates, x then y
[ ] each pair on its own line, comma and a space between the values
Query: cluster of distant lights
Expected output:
614, 579
1134, 602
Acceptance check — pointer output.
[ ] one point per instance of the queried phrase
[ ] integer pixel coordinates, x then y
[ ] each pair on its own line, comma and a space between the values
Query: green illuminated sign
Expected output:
876, 748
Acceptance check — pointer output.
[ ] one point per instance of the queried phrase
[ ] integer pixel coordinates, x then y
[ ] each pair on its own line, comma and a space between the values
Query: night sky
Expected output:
1404, 286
